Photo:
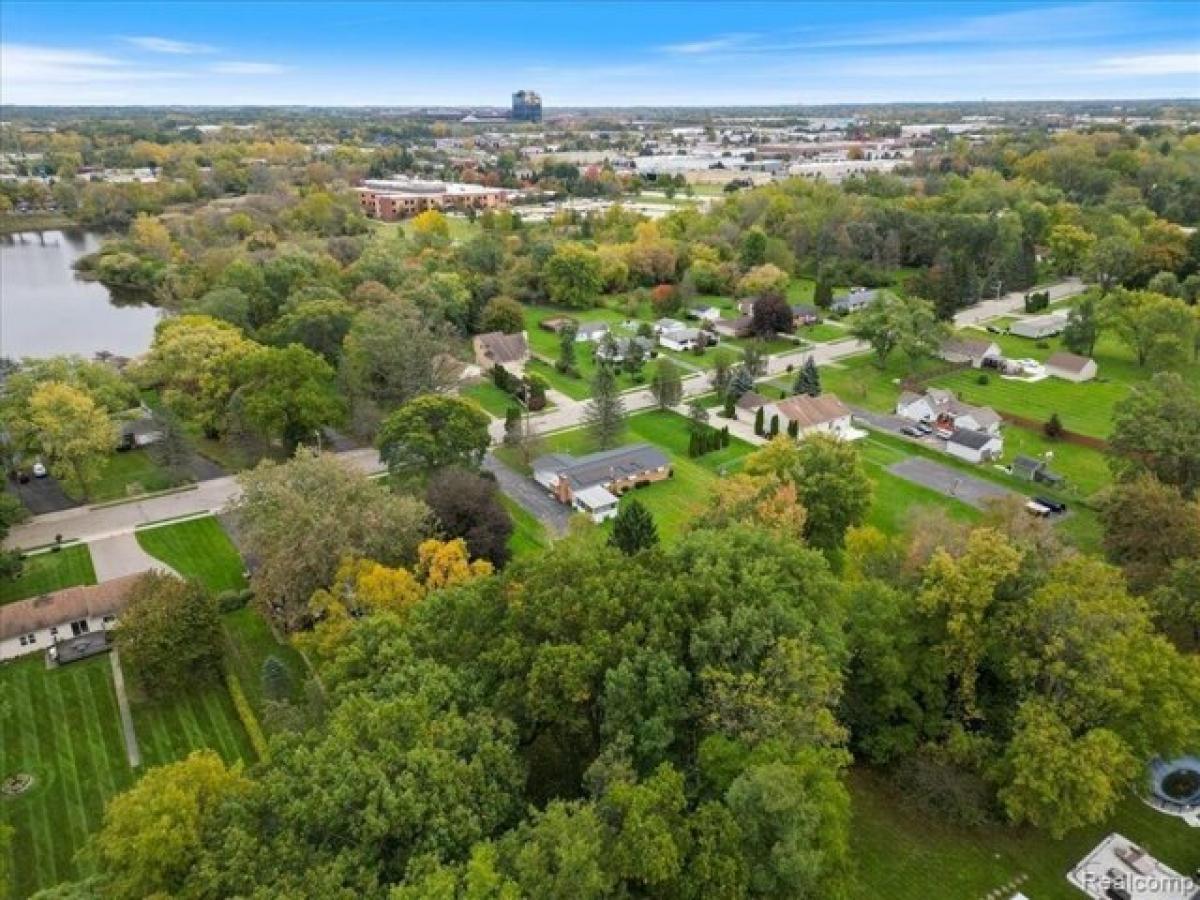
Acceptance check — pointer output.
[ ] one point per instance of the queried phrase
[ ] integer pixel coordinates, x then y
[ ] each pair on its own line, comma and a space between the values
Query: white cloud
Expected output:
249, 68
713, 45
169, 45
26, 69
1150, 64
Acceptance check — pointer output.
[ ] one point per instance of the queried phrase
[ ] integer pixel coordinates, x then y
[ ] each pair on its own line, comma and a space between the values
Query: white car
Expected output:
39, 470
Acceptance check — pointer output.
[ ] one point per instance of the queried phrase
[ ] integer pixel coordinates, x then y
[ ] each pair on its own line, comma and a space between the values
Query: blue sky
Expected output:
593, 53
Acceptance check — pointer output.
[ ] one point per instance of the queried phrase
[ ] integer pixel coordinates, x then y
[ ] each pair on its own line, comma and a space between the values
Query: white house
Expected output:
80, 615
966, 350
597, 502
668, 325
591, 331
826, 414
1071, 367
682, 339
974, 446
1043, 326
705, 313
939, 407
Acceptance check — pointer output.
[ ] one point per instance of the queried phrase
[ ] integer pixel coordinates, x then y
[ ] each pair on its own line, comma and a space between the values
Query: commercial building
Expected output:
398, 198
527, 106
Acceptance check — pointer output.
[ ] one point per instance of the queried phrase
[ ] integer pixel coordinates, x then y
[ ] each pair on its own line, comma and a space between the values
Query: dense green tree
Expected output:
1083, 327
170, 634
285, 394
300, 519
604, 414
320, 325
1156, 429
633, 528
573, 276
391, 355
666, 383
432, 432
1148, 525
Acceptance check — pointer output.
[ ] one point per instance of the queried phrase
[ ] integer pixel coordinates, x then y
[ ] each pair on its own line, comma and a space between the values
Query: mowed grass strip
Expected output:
49, 571
529, 535
197, 548
62, 727
170, 728
249, 641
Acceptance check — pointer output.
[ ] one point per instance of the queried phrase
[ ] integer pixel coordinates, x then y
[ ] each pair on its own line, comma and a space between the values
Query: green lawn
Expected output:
906, 854
196, 548
1086, 408
678, 500
249, 641
62, 727
822, 332
493, 400
50, 571
171, 728
529, 535
896, 498
127, 474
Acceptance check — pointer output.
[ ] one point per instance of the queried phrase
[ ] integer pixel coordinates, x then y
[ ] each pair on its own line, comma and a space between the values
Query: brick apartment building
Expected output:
398, 198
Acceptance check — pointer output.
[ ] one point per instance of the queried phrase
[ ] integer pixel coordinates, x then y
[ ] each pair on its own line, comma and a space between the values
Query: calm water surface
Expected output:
45, 309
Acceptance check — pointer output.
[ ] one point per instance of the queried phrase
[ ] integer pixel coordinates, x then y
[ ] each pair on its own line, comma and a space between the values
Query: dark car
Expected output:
911, 431
924, 428
1053, 505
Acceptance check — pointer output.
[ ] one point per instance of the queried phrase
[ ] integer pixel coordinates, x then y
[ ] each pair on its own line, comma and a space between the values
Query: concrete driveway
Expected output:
529, 495
121, 555
948, 481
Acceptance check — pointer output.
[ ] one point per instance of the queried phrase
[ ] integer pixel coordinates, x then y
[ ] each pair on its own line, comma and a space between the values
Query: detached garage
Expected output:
1071, 367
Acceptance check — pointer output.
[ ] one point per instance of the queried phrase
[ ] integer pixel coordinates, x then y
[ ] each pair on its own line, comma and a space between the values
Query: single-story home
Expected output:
616, 351
556, 324
974, 446
681, 339
615, 470
751, 402
596, 502
1037, 327
668, 325
140, 432
858, 298
705, 313
967, 350
74, 614
805, 314
742, 326
498, 348
1035, 470
591, 331
825, 413
939, 407
1071, 367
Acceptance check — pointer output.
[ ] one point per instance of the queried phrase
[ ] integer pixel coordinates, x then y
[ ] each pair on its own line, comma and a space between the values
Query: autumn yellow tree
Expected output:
430, 227
364, 587
74, 433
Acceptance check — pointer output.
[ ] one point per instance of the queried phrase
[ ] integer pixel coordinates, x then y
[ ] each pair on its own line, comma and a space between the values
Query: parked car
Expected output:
1053, 505
924, 428
911, 431
39, 470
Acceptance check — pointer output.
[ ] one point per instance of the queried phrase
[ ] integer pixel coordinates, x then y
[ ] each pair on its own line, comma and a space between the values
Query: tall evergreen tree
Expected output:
633, 528
742, 382
808, 379
605, 412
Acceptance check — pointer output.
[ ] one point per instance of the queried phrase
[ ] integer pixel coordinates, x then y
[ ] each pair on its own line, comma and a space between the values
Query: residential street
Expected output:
95, 523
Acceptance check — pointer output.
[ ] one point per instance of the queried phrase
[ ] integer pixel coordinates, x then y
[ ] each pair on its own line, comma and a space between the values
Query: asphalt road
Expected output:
948, 481
530, 495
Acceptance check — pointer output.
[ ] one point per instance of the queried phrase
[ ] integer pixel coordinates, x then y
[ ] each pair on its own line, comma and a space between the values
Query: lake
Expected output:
46, 310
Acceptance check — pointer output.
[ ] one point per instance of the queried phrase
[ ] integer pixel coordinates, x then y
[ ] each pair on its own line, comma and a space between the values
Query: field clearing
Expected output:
197, 548
50, 571
905, 853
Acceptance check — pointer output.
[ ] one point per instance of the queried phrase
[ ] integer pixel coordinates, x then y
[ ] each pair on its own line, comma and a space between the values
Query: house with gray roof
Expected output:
968, 350
497, 348
858, 298
974, 446
616, 470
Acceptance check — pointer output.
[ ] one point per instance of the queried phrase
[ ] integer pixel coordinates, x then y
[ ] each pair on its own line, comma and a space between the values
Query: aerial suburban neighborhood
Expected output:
600, 450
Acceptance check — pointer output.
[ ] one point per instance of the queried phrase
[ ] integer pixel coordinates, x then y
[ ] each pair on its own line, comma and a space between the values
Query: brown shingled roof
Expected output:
503, 348
67, 605
810, 411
